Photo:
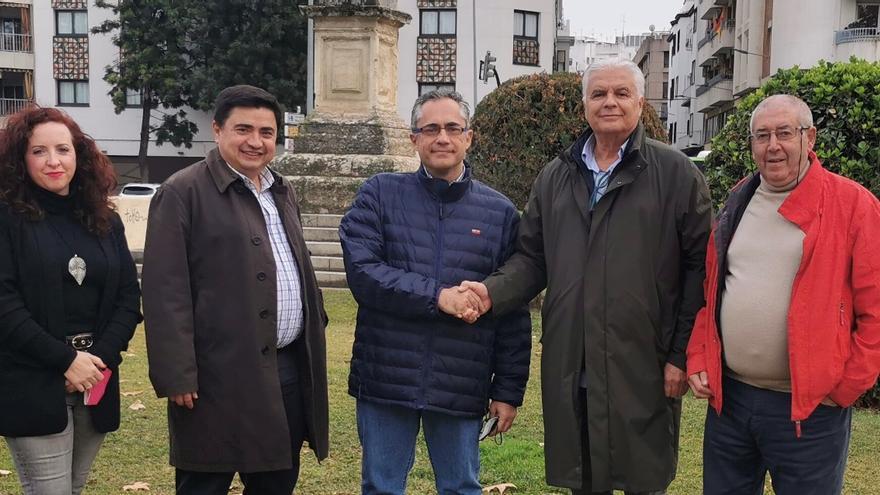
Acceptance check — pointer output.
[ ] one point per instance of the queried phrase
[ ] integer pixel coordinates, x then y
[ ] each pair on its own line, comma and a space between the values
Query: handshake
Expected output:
468, 301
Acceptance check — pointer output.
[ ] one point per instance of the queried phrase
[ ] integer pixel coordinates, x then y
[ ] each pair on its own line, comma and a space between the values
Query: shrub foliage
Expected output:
845, 100
527, 122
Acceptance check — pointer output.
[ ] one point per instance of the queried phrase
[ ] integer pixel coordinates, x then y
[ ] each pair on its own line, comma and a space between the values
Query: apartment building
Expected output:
16, 56
653, 58
443, 45
68, 72
685, 124
741, 43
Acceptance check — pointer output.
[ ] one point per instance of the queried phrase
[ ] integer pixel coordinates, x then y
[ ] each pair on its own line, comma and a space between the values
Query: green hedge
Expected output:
527, 122
845, 100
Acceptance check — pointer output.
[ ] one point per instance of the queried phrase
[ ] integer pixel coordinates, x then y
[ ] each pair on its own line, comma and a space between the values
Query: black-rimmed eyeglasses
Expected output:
433, 130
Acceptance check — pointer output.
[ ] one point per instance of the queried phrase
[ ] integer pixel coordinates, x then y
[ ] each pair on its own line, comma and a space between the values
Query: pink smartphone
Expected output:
93, 396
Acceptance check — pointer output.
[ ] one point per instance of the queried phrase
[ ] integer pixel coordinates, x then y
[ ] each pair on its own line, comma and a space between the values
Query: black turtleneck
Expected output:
81, 302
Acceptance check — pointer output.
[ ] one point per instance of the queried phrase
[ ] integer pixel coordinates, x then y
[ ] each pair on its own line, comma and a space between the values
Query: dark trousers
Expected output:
755, 435
268, 482
585, 453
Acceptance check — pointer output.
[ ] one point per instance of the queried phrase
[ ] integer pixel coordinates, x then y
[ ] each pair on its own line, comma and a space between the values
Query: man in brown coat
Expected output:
234, 317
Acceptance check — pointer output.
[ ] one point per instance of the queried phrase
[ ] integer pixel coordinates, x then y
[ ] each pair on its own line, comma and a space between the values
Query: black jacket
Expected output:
33, 353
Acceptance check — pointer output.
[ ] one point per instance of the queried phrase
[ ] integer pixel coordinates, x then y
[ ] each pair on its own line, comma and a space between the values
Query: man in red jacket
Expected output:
790, 334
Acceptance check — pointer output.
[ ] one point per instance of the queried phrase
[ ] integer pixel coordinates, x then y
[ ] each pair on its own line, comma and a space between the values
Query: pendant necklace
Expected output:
76, 266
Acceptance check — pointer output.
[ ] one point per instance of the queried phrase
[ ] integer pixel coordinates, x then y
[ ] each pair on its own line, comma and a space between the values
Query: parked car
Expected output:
700, 159
138, 189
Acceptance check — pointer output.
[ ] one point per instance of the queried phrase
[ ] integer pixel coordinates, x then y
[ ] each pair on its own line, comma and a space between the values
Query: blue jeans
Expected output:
755, 435
388, 438
58, 464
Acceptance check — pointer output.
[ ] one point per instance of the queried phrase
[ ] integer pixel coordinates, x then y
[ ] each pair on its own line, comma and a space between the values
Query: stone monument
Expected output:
354, 130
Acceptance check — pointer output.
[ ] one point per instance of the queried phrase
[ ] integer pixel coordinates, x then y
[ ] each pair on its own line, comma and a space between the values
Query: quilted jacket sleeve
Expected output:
372, 280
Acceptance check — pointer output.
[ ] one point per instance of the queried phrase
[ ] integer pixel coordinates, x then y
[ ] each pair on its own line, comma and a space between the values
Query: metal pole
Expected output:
474, 66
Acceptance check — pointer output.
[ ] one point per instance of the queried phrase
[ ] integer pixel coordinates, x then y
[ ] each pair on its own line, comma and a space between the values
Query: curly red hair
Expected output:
92, 182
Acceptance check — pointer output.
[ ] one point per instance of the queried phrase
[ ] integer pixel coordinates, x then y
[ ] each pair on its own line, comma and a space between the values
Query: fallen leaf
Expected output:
4, 472
137, 486
500, 488
137, 405
132, 393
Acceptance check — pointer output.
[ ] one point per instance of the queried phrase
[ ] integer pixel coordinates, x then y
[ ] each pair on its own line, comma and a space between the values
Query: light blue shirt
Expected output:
600, 177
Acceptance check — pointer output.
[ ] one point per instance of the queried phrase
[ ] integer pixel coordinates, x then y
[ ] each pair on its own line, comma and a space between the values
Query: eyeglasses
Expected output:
433, 130
782, 134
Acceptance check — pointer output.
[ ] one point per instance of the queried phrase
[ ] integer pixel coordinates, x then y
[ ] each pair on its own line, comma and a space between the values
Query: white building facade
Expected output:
443, 45
69, 67
684, 123
741, 43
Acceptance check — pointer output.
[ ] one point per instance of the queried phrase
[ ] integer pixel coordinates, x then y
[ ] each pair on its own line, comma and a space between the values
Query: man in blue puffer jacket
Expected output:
409, 239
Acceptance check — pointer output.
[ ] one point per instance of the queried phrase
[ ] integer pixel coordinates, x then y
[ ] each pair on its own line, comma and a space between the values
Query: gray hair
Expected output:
616, 63
804, 114
439, 94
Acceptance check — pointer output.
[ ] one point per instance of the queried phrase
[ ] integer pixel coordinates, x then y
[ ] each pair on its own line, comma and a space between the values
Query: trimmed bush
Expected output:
845, 100
527, 122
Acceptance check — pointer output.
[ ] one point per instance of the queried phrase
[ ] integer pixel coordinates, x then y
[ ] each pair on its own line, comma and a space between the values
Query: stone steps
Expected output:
321, 233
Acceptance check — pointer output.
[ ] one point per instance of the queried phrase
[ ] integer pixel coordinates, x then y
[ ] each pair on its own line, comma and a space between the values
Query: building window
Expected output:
666, 89
525, 24
74, 93
71, 23
867, 15
437, 22
665, 60
133, 98
427, 88
525, 38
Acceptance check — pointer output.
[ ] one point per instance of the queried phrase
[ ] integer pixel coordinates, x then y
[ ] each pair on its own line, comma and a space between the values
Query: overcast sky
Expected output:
606, 18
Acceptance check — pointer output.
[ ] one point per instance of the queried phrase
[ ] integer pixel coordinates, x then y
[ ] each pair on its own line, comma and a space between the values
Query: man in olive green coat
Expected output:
616, 230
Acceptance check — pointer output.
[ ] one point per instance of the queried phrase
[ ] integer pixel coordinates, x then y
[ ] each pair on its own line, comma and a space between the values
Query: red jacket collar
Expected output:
807, 199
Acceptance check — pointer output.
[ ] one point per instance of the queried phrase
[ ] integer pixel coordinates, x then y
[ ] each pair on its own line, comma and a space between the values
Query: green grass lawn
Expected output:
138, 451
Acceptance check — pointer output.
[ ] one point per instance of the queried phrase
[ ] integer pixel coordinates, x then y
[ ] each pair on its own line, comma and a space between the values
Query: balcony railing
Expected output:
10, 42
712, 82
710, 35
856, 34
11, 105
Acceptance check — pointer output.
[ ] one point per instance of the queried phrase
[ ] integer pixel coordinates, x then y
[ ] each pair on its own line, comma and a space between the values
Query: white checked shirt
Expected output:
290, 310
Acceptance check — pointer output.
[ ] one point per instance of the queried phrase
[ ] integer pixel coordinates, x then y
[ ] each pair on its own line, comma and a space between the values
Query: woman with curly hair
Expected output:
69, 300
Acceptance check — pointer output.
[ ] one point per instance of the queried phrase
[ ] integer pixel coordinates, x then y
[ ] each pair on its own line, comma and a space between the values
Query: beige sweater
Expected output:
763, 259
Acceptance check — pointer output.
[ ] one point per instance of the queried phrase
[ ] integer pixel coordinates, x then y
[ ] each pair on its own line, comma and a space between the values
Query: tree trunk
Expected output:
146, 109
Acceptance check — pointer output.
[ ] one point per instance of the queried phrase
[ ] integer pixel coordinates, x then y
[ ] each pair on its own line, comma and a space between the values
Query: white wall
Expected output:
117, 135
494, 33
803, 32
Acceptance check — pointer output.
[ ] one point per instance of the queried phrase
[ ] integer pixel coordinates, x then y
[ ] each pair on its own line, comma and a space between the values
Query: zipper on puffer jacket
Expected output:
438, 254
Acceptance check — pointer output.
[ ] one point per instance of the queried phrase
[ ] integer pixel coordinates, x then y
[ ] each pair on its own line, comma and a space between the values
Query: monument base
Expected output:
327, 183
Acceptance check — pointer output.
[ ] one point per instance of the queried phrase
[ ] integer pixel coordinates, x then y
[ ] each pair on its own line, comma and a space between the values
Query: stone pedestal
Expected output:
355, 130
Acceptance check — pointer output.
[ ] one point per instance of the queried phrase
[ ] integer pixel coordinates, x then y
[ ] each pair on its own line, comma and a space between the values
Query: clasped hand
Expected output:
468, 301
83, 373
